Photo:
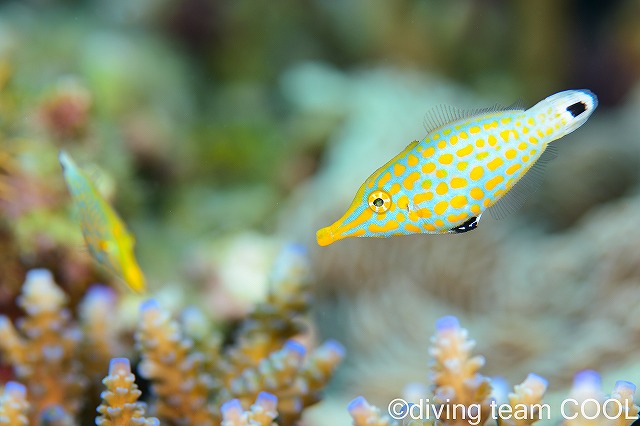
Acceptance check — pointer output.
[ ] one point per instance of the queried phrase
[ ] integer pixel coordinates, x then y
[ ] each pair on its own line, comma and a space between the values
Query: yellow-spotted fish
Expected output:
105, 234
468, 162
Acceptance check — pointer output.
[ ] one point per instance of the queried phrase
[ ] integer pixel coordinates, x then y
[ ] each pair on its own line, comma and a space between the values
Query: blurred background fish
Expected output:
105, 235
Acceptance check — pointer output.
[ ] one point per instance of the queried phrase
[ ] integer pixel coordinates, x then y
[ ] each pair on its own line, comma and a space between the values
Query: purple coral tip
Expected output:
231, 408
624, 385
267, 400
587, 378
447, 323
293, 346
119, 365
15, 388
335, 347
149, 305
358, 404
100, 293
536, 378
38, 275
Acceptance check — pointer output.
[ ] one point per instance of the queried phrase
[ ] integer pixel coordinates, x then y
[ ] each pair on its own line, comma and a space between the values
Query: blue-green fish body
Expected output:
105, 234
468, 163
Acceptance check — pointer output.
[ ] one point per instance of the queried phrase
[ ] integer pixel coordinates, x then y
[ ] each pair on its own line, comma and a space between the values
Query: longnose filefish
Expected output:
105, 234
470, 161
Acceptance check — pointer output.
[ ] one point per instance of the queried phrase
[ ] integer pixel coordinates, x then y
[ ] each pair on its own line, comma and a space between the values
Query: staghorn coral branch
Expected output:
14, 405
525, 400
365, 414
176, 370
96, 313
455, 374
278, 371
120, 406
44, 348
261, 413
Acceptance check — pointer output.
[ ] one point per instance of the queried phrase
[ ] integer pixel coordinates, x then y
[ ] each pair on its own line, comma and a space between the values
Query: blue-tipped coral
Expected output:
179, 382
14, 405
120, 406
365, 414
44, 348
455, 375
261, 413
593, 407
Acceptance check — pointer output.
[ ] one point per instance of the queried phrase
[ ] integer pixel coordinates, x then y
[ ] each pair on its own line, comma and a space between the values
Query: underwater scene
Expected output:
319, 212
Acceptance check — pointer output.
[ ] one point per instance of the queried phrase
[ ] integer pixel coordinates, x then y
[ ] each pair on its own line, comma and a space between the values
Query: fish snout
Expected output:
325, 236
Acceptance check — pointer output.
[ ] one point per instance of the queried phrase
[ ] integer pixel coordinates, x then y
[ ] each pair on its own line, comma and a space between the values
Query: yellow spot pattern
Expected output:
457, 182
426, 184
442, 188
411, 180
412, 228
459, 201
424, 213
476, 209
482, 155
442, 144
476, 173
422, 197
412, 160
400, 218
457, 218
474, 129
492, 140
453, 140
403, 202
428, 152
389, 226
429, 227
398, 169
428, 168
491, 183
394, 188
495, 163
441, 173
479, 143
512, 169
440, 207
384, 179
446, 159
510, 154
476, 193
464, 151
462, 165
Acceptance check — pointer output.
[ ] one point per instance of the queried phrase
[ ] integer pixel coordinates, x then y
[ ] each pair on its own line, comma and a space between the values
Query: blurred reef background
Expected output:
223, 132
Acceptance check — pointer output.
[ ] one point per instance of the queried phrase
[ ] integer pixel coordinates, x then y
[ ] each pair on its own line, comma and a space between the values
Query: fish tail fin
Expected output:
573, 107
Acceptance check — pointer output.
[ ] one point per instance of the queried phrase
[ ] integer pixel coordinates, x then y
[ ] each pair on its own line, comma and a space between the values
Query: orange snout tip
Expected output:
325, 236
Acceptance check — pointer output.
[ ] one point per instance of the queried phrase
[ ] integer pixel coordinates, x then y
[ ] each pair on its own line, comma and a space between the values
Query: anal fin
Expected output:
527, 185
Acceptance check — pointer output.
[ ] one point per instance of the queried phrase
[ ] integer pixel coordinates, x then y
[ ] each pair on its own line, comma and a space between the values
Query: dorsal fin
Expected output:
441, 115
527, 185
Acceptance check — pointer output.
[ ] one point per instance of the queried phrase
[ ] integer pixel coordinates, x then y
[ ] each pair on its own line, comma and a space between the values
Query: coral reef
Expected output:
194, 379
460, 395
261, 413
120, 406
44, 349
13, 405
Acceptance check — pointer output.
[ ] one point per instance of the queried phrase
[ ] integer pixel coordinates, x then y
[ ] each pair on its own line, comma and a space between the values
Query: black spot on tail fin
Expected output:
577, 108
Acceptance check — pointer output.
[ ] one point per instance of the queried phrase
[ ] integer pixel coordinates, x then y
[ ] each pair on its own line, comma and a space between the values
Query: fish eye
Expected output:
379, 201
577, 108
